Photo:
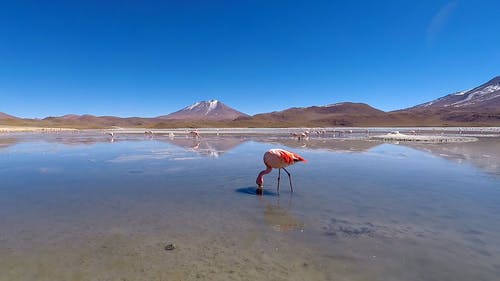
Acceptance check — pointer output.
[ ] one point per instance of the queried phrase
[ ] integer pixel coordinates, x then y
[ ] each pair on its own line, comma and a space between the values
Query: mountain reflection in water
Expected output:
483, 154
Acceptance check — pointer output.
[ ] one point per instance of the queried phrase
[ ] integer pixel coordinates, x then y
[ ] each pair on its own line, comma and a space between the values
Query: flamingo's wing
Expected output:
290, 157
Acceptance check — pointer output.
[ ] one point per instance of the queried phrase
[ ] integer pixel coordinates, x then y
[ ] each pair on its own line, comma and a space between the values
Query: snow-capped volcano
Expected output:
209, 110
486, 96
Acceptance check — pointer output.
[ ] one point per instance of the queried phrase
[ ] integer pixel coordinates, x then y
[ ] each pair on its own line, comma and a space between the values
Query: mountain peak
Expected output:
335, 104
209, 110
495, 80
202, 105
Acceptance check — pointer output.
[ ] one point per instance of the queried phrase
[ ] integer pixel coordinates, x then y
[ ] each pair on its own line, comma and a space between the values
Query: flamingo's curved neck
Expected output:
260, 177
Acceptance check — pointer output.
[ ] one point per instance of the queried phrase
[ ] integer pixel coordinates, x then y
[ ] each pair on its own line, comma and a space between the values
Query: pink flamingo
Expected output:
278, 159
194, 134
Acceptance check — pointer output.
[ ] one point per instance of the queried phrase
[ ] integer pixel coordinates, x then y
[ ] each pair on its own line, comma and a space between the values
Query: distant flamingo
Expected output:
112, 135
277, 159
301, 136
149, 134
304, 136
194, 134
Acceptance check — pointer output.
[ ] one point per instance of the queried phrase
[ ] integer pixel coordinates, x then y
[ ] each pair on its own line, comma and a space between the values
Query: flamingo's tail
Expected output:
298, 158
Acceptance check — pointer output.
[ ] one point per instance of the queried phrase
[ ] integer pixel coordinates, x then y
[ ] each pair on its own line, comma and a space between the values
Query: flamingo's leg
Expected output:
279, 177
290, 178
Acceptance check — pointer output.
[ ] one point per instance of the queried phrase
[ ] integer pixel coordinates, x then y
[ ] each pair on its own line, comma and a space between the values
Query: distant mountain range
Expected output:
339, 114
479, 106
484, 97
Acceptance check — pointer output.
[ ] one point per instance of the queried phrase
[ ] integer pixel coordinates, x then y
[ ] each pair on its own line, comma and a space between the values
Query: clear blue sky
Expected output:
149, 58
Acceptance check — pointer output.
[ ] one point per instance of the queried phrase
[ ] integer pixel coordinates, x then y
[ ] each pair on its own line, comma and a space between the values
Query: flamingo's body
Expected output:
278, 159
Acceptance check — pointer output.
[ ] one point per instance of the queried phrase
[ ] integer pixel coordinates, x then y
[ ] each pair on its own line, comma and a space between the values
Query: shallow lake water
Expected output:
88, 207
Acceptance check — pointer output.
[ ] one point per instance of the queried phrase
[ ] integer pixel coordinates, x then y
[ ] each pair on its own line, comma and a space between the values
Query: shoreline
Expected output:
383, 134
17, 129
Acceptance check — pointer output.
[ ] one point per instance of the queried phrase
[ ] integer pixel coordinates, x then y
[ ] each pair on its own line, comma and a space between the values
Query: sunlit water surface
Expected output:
80, 207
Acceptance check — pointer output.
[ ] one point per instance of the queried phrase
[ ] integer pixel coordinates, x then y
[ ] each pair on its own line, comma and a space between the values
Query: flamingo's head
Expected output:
260, 177
260, 185
260, 181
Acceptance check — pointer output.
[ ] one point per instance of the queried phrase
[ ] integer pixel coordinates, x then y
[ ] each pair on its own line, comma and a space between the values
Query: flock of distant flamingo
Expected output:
300, 136
278, 158
274, 158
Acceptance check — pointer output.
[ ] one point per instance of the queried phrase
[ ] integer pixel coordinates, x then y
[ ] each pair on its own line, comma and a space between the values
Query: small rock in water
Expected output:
170, 247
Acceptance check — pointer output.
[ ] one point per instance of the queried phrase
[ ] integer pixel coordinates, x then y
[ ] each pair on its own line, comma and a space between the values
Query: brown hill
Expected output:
340, 114
90, 121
